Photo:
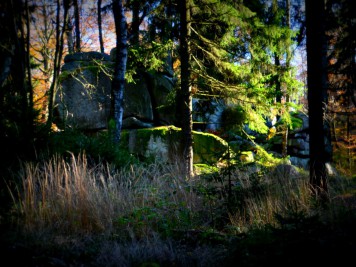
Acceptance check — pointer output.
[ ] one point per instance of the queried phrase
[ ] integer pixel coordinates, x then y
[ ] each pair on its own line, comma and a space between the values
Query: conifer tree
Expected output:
341, 38
233, 47
185, 91
281, 21
316, 52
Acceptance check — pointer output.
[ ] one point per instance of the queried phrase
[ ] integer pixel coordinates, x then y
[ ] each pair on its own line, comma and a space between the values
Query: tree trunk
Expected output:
185, 90
118, 83
77, 26
46, 70
278, 92
135, 26
101, 42
16, 104
57, 58
316, 55
30, 106
18, 67
69, 33
288, 60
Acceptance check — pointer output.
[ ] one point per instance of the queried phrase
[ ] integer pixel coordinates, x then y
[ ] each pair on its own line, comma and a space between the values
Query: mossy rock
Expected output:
163, 143
247, 157
208, 148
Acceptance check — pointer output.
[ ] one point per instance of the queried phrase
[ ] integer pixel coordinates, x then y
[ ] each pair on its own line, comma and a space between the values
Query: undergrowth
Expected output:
73, 211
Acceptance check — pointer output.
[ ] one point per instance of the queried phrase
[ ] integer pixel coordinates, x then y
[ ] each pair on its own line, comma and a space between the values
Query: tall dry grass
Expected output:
69, 196
72, 197
124, 216
270, 194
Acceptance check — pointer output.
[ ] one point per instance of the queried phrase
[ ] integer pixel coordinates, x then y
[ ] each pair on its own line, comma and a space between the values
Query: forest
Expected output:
177, 132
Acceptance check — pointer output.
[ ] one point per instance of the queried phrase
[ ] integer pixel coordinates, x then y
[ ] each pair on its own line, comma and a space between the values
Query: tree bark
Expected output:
285, 131
185, 90
279, 93
77, 26
101, 42
69, 33
135, 26
16, 96
316, 56
118, 83
29, 88
57, 58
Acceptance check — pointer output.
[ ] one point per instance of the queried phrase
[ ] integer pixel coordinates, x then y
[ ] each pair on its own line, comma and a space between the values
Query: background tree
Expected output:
60, 32
233, 48
77, 26
16, 102
341, 38
150, 47
100, 31
43, 44
281, 100
69, 35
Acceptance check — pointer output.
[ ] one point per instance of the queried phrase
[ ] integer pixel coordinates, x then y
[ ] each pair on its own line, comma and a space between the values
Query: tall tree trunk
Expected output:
316, 55
19, 63
47, 70
168, 35
101, 42
277, 63
118, 82
77, 26
288, 60
30, 107
135, 26
69, 33
57, 58
16, 104
278, 92
185, 90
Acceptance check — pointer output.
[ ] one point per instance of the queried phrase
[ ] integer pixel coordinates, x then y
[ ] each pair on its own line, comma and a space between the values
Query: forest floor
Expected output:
300, 241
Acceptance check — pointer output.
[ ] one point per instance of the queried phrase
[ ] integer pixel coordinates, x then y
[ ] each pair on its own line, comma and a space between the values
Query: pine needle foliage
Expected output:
233, 48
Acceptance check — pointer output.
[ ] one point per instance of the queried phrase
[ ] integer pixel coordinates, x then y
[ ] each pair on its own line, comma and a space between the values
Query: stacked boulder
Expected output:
84, 99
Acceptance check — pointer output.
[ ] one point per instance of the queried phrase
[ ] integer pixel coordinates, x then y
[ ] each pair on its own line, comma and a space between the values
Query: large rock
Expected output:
147, 98
84, 98
137, 101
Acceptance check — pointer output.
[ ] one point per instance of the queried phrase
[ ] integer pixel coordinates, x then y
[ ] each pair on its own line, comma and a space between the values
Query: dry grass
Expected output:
72, 197
269, 194
136, 211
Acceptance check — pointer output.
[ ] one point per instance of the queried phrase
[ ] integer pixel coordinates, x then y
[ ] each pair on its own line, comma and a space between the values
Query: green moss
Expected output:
162, 131
94, 67
266, 159
205, 169
208, 148
65, 75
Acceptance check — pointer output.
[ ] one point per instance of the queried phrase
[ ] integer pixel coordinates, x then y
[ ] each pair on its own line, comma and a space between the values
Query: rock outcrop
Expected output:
84, 98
